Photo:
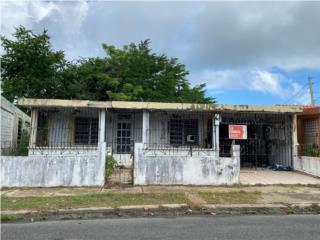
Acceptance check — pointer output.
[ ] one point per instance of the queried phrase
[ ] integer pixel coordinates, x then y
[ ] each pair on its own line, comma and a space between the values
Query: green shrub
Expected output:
311, 150
22, 147
111, 164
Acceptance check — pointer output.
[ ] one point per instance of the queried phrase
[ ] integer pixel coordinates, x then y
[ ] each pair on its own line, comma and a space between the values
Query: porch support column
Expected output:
102, 145
215, 131
145, 127
295, 144
102, 125
34, 126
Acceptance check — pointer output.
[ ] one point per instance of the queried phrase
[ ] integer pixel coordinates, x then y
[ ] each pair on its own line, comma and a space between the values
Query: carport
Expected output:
269, 177
267, 140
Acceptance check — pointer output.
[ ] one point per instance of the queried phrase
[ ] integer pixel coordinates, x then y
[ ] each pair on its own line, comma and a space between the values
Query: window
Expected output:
310, 131
176, 130
19, 130
180, 129
86, 131
191, 129
123, 137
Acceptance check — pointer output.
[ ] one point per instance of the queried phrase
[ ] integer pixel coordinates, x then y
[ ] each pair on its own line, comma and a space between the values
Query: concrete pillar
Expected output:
215, 131
34, 126
145, 127
102, 142
235, 155
295, 144
102, 125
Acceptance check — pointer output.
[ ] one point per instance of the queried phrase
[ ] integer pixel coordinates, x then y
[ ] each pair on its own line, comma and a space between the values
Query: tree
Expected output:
134, 73
30, 67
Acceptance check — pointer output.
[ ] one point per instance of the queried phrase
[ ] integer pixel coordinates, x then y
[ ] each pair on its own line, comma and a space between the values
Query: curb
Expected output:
160, 210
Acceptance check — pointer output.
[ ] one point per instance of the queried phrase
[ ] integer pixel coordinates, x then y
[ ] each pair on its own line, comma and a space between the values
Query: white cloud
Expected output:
30, 13
258, 80
226, 45
39, 10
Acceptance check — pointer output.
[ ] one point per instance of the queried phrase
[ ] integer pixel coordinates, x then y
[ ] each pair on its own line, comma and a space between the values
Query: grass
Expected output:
9, 218
121, 199
89, 200
234, 197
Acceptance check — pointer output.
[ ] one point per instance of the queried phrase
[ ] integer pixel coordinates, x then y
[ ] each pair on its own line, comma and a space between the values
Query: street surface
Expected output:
187, 228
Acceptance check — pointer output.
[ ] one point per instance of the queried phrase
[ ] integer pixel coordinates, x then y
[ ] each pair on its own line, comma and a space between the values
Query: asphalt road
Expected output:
239, 227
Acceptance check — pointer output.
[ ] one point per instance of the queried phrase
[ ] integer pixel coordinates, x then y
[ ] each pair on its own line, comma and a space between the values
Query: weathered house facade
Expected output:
164, 143
13, 122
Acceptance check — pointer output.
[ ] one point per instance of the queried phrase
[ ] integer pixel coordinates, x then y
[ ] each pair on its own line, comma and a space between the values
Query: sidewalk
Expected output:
268, 194
77, 203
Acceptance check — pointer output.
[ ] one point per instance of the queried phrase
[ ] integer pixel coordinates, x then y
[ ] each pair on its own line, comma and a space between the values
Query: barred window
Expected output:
86, 131
180, 129
310, 131
19, 130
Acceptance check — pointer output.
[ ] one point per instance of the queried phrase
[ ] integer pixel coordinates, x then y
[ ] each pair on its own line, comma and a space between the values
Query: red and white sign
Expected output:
238, 131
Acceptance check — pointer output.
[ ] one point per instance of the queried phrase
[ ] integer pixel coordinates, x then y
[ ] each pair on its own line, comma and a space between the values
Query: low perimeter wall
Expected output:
55, 168
167, 168
310, 165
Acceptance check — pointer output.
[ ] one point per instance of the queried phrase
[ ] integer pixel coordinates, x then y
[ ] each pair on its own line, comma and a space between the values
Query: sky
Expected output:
245, 52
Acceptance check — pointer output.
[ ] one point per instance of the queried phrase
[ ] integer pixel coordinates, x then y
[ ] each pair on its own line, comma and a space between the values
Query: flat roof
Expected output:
310, 110
38, 103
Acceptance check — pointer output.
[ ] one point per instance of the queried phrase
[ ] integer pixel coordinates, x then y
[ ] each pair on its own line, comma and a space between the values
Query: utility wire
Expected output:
296, 94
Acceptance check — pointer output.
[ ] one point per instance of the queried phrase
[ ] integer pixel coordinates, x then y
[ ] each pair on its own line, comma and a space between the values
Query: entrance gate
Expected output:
268, 138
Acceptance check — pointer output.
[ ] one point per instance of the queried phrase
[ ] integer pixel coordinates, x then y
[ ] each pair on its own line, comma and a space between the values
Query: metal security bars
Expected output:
269, 138
65, 128
174, 130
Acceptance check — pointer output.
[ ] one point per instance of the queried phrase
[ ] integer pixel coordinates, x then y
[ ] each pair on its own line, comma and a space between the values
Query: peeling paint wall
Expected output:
49, 169
164, 168
310, 165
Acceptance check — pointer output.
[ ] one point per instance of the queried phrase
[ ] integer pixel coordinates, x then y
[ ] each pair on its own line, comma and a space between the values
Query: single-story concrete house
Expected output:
13, 122
164, 143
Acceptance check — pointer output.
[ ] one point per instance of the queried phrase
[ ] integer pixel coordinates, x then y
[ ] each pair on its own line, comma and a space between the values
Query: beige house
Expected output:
163, 143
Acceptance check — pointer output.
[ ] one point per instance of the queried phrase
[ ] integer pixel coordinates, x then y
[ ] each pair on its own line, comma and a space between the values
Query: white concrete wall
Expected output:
310, 165
54, 168
167, 168
10, 115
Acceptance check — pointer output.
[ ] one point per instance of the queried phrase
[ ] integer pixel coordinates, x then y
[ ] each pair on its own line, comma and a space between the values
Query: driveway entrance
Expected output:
268, 177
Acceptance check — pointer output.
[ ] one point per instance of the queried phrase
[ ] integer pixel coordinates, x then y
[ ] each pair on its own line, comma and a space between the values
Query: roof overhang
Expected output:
310, 111
203, 107
45, 103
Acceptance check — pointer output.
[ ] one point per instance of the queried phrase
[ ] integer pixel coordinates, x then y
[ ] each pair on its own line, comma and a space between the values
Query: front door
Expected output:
123, 137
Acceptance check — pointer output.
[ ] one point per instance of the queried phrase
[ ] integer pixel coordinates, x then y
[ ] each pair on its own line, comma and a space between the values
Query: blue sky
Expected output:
246, 53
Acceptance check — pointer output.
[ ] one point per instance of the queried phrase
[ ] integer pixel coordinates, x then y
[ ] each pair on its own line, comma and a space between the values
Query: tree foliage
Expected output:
31, 68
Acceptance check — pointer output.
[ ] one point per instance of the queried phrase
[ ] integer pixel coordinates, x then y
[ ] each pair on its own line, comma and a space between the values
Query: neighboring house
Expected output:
164, 143
13, 122
309, 126
308, 133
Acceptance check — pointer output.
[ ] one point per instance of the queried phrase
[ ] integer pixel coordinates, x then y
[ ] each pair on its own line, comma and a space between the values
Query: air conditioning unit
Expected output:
191, 138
